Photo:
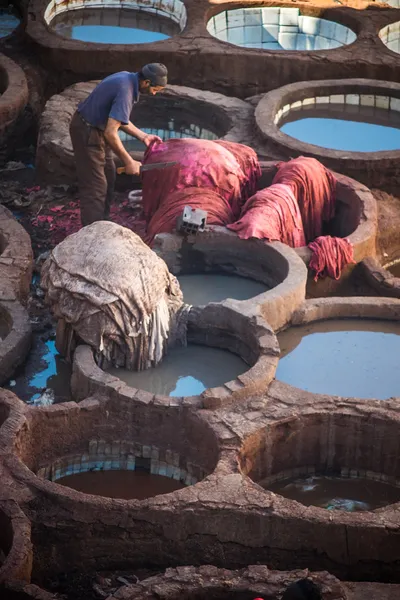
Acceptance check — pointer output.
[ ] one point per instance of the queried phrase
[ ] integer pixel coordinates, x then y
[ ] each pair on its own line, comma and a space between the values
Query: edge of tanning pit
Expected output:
219, 250
374, 169
224, 326
380, 278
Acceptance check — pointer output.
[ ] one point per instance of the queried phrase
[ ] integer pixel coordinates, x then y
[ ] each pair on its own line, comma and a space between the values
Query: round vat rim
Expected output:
20, 471
273, 101
15, 97
318, 514
269, 301
342, 308
88, 376
16, 345
351, 23
17, 565
46, 32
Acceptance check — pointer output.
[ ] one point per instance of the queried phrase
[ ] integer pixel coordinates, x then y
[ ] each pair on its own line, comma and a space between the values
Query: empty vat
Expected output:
393, 267
278, 28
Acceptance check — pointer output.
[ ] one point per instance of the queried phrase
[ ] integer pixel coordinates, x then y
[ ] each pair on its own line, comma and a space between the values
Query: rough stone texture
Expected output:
204, 61
13, 98
372, 591
380, 279
226, 518
227, 325
230, 119
16, 258
217, 248
15, 541
378, 169
208, 581
15, 346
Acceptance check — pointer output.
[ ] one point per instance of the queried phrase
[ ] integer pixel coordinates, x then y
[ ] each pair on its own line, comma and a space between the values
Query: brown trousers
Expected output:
95, 170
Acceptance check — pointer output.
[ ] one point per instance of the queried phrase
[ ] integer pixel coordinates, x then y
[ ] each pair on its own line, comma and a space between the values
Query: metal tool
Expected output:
143, 168
192, 220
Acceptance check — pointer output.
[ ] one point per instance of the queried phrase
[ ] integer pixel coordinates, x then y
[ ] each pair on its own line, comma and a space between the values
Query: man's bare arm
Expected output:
140, 135
132, 167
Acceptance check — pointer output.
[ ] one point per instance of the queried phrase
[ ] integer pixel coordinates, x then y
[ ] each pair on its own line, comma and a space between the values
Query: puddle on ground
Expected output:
114, 26
394, 267
199, 289
342, 357
171, 127
44, 378
337, 493
345, 127
121, 484
186, 371
8, 22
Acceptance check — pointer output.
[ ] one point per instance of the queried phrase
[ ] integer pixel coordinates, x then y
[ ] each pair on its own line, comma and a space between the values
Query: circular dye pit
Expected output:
343, 357
186, 371
8, 22
276, 28
127, 23
360, 124
126, 485
393, 267
337, 493
200, 289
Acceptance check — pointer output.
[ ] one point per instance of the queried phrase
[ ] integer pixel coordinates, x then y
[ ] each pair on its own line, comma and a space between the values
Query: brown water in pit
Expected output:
126, 485
342, 357
337, 493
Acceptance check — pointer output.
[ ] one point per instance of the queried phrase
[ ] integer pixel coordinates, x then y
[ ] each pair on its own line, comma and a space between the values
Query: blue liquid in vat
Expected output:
186, 371
337, 493
363, 128
346, 357
114, 26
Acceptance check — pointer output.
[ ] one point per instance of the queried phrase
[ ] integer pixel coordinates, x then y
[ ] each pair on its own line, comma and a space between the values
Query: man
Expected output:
94, 134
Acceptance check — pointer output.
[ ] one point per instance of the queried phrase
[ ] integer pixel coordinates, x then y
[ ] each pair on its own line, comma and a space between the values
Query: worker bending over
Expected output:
94, 134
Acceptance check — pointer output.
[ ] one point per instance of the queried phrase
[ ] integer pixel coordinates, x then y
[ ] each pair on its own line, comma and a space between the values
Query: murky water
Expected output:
364, 129
394, 267
343, 357
180, 125
121, 484
199, 289
337, 493
114, 26
186, 371
44, 378
8, 22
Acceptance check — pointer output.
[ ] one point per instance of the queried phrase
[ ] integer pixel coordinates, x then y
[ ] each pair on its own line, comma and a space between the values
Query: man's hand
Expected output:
132, 167
148, 139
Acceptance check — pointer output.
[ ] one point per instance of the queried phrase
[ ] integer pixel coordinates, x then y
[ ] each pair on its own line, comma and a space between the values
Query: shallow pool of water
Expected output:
354, 129
167, 127
337, 493
8, 22
186, 371
114, 26
121, 484
394, 267
342, 357
44, 378
199, 289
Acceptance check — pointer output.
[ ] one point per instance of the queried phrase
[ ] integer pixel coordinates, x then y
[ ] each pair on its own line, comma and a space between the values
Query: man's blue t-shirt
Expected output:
114, 97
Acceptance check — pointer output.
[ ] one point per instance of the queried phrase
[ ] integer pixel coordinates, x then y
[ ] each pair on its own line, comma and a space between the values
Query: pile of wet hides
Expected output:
109, 290
295, 210
215, 176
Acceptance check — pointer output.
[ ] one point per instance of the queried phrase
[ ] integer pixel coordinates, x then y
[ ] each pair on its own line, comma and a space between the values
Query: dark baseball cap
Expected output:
156, 73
